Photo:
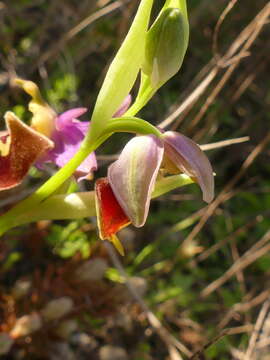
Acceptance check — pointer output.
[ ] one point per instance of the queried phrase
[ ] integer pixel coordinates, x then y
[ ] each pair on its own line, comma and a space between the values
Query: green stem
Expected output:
146, 92
71, 206
82, 204
131, 124
169, 183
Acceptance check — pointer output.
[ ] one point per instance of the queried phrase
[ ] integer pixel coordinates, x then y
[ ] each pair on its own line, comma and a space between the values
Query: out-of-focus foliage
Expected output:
41, 41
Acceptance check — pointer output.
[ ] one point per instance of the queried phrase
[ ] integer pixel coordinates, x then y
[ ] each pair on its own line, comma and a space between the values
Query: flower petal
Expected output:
67, 139
111, 218
43, 115
191, 160
66, 118
132, 176
124, 106
25, 147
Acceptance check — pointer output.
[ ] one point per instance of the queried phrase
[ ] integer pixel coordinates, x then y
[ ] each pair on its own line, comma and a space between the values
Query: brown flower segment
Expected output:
20, 147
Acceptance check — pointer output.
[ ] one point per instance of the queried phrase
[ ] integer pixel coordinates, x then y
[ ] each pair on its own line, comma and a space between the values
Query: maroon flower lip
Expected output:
23, 147
111, 216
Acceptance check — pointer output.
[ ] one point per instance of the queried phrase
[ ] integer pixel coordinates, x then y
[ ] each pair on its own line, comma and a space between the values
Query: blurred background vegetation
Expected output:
203, 271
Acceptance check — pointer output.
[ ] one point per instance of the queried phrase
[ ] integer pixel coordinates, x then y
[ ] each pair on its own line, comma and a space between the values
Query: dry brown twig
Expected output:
230, 331
221, 19
255, 332
254, 253
242, 229
239, 273
243, 307
224, 143
89, 20
258, 23
263, 342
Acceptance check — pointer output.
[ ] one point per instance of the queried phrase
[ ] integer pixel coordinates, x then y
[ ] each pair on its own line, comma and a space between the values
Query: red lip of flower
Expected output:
131, 178
50, 138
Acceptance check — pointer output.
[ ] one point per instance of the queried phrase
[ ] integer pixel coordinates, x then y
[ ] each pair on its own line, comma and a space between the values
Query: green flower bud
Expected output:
166, 45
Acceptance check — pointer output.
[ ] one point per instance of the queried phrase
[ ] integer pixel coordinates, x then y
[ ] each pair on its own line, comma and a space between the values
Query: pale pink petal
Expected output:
191, 160
133, 175
67, 138
67, 117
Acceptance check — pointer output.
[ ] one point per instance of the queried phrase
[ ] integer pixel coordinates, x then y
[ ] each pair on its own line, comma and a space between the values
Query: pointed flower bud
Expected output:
125, 196
166, 45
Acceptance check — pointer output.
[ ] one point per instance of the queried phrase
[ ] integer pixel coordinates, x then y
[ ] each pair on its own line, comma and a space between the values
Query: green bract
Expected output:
123, 70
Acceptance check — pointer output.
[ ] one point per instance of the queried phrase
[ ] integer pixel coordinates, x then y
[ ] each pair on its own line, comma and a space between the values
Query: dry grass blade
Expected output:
253, 254
263, 343
230, 331
78, 28
243, 307
231, 59
218, 25
242, 229
258, 23
224, 143
257, 327
190, 99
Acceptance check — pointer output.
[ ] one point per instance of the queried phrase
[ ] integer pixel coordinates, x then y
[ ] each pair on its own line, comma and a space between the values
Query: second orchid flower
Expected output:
124, 197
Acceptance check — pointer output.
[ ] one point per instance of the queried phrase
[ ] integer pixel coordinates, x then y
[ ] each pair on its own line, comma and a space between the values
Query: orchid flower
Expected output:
20, 147
124, 196
49, 138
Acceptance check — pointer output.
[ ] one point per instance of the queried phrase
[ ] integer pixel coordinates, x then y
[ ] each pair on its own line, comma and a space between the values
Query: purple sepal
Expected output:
67, 137
191, 160
67, 117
